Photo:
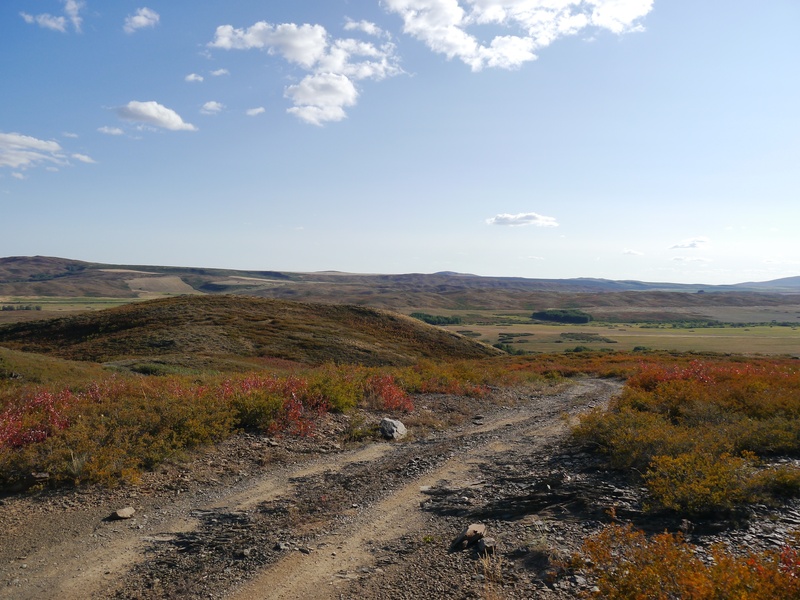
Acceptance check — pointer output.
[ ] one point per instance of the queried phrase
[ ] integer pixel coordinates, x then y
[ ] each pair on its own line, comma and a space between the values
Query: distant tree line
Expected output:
509, 349
562, 315
20, 307
436, 319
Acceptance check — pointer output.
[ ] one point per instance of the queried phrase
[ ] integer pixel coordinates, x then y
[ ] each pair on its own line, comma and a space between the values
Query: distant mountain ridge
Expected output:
40, 276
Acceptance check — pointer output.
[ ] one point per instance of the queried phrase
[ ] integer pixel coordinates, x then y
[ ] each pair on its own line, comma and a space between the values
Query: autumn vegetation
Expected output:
705, 435
630, 566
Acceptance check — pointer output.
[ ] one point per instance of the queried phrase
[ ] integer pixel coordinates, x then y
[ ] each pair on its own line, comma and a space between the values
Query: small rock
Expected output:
124, 513
468, 537
487, 545
392, 429
282, 547
578, 580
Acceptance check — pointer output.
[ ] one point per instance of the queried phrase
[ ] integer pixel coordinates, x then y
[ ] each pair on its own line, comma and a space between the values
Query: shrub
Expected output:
383, 393
436, 319
695, 431
562, 315
339, 387
696, 483
629, 566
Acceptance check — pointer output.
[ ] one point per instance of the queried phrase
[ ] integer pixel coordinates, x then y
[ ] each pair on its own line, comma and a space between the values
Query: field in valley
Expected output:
539, 337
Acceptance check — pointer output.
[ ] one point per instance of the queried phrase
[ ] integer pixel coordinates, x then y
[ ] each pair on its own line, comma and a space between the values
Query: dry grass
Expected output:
225, 327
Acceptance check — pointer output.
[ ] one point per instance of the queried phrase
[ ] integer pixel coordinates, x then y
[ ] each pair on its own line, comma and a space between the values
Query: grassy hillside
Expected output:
198, 327
24, 367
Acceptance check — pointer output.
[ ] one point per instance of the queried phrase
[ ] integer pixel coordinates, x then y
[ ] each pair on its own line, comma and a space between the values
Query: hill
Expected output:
54, 281
40, 276
217, 331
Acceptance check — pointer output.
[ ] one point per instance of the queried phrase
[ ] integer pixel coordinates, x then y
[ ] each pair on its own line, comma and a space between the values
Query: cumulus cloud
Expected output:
443, 25
322, 97
153, 113
692, 243
522, 219
19, 151
630, 252
110, 130
193, 77
72, 9
333, 66
144, 17
253, 112
212, 108
220, 72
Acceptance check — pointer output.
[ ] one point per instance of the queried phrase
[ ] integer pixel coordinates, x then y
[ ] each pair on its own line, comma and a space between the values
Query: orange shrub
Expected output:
696, 431
628, 565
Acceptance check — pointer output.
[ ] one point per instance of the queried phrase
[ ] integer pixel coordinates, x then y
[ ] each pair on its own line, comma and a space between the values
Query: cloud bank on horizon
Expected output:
523, 219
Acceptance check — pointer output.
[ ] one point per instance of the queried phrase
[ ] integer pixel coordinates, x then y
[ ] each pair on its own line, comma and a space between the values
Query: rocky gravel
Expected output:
327, 517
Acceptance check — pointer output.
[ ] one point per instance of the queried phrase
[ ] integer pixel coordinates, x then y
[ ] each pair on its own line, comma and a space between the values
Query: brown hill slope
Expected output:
236, 326
46, 277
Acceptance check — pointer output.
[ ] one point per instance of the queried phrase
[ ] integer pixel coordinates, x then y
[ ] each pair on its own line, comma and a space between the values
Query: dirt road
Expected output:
265, 519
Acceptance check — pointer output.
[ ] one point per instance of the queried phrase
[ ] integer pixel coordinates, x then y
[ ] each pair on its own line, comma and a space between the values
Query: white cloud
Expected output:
522, 219
252, 112
84, 159
333, 66
47, 21
366, 27
630, 252
321, 98
17, 175
220, 72
153, 113
193, 77
144, 17
212, 108
692, 243
19, 151
110, 130
72, 9
443, 25
303, 44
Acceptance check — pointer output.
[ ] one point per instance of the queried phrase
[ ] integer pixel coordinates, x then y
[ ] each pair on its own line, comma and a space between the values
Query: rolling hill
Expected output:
58, 277
221, 331
45, 278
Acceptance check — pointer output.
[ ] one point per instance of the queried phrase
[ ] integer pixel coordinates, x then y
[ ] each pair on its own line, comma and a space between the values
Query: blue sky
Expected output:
623, 139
